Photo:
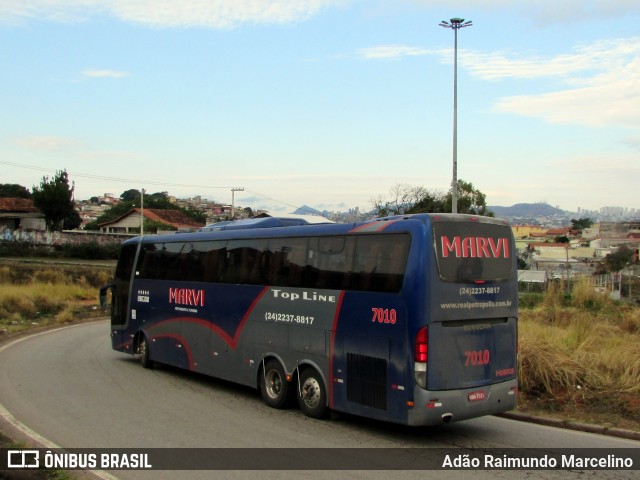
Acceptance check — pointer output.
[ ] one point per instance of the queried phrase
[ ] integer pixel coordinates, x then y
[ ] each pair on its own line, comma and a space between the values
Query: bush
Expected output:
530, 300
91, 251
51, 276
24, 249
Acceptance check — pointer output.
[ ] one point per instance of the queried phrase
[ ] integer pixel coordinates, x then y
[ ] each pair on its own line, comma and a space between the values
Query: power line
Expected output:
144, 182
113, 179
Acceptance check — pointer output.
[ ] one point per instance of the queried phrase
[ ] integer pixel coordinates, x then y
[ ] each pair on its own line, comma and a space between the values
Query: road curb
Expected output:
581, 427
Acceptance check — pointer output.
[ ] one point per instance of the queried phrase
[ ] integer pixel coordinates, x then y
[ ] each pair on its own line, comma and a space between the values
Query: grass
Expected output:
46, 295
580, 356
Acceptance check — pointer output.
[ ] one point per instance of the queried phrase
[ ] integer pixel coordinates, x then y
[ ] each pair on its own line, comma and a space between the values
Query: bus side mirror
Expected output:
103, 294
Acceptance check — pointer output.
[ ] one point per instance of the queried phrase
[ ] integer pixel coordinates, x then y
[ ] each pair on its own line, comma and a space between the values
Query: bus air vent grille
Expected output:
367, 380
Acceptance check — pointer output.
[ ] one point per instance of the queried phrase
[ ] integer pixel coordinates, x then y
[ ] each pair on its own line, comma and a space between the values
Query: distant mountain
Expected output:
306, 210
527, 210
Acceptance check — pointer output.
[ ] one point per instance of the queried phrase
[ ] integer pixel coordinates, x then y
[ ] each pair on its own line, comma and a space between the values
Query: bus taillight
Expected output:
420, 355
421, 347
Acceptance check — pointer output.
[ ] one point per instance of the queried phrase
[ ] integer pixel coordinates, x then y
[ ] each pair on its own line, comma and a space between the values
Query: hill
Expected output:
527, 210
307, 210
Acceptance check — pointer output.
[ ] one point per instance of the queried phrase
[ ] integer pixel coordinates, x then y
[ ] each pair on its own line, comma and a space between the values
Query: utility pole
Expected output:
142, 212
233, 201
455, 25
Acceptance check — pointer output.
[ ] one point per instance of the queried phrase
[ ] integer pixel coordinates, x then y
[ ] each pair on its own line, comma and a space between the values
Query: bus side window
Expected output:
366, 263
380, 262
192, 264
246, 262
214, 258
152, 263
176, 259
287, 261
332, 261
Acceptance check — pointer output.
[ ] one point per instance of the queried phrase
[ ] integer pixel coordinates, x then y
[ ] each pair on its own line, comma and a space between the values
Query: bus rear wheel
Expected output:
274, 387
312, 396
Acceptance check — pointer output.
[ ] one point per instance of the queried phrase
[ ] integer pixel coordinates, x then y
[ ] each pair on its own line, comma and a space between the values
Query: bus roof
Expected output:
265, 222
282, 226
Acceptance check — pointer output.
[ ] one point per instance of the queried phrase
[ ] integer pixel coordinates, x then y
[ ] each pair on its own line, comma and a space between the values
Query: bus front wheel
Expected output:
143, 351
274, 387
312, 396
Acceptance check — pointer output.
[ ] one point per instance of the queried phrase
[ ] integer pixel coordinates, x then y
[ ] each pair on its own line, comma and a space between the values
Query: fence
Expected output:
623, 285
69, 237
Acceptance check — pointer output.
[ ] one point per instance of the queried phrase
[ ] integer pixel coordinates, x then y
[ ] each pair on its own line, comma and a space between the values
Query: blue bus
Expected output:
409, 319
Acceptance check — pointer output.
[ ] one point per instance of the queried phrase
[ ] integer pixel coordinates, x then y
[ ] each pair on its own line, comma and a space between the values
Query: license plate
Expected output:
477, 396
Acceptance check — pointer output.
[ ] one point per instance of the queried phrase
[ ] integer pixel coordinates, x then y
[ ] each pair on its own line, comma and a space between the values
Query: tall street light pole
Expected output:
455, 24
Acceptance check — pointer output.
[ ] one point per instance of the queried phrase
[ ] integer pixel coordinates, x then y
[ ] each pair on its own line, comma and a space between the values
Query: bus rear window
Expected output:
473, 251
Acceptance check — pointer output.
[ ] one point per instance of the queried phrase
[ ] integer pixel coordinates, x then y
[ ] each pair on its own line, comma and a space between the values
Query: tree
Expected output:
616, 261
430, 202
470, 200
581, 223
54, 198
407, 199
130, 195
402, 198
13, 190
247, 212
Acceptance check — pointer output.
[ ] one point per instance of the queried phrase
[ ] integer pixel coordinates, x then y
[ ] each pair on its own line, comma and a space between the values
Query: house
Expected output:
130, 221
527, 231
562, 232
20, 213
533, 279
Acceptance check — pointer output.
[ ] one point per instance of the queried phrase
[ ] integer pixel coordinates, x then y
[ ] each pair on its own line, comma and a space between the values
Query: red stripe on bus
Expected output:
183, 343
234, 341
374, 226
231, 341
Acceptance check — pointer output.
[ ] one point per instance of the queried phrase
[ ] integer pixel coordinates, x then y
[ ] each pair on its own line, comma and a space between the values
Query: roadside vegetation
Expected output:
37, 295
579, 353
87, 251
580, 356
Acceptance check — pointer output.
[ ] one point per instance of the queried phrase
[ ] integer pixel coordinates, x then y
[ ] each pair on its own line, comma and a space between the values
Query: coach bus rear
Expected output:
465, 349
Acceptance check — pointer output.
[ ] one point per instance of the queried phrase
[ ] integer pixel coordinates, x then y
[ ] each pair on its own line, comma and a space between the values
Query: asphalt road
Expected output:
70, 388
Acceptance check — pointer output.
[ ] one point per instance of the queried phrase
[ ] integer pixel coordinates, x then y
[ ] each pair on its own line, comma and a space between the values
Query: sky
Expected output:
325, 103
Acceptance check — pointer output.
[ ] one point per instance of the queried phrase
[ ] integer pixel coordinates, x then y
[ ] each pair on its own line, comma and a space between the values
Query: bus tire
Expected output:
143, 351
274, 387
312, 395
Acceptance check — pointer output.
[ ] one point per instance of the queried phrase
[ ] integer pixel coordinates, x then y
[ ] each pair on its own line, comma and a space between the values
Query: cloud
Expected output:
602, 105
600, 80
392, 51
545, 12
601, 84
219, 14
104, 74
47, 143
599, 56
633, 141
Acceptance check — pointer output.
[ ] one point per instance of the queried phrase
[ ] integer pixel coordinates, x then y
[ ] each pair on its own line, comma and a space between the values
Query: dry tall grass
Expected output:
44, 296
580, 349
